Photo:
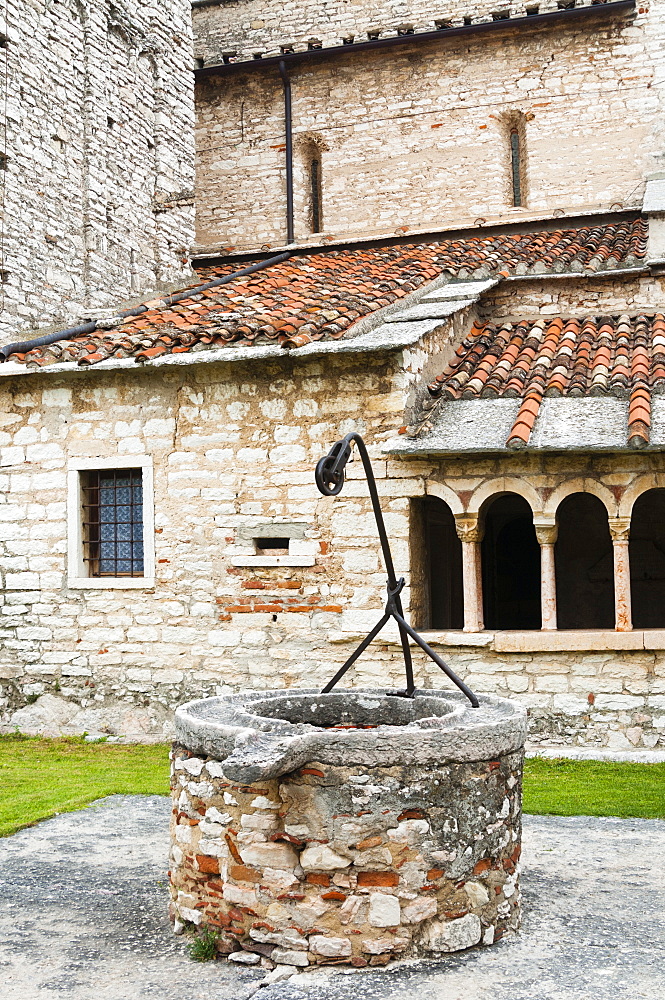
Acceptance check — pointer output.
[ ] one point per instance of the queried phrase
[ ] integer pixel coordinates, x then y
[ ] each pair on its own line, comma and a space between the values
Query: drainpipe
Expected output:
22, 347
289, 150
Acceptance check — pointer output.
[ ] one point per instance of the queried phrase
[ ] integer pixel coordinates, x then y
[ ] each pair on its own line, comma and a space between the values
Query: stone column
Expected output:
470, 532
546, 532
620, 531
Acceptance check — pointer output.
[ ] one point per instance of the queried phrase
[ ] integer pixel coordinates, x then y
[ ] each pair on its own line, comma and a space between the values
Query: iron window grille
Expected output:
113, 522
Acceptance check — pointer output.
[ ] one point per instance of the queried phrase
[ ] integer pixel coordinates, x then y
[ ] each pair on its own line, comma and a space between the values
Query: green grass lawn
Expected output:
594, 788
42, 777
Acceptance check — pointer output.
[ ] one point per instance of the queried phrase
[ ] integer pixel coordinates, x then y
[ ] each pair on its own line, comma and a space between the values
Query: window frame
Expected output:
316, 191
77, 577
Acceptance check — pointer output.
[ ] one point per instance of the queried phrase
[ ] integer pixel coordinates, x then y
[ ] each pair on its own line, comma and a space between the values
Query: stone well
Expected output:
353, 826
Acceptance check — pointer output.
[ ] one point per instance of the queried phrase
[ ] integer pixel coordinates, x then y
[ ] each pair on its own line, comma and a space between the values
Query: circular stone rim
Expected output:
253, 747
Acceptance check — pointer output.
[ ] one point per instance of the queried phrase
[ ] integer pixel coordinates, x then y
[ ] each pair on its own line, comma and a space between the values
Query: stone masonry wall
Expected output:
330, 864
97, 195
418, 138
234, 448
241, 28
611, 296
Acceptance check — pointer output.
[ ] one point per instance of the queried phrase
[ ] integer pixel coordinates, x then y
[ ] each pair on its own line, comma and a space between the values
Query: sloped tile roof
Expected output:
616, 356
320, 296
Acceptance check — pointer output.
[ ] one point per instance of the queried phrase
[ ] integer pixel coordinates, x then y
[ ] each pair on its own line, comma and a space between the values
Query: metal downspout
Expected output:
22, 347
289, 150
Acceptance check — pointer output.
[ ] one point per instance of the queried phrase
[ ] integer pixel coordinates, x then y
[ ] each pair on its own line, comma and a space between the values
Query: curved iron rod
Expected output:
329, 478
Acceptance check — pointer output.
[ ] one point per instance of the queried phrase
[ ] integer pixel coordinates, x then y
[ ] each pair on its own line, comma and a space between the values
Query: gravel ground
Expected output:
83, 903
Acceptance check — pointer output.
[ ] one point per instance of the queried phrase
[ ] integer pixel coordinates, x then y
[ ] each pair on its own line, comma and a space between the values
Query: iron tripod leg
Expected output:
354, 656
330, 480
394, 610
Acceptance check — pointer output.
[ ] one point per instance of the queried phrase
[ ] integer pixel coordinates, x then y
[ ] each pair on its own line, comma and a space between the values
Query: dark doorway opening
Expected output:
444, 565
511, 565
647, 560
584, 564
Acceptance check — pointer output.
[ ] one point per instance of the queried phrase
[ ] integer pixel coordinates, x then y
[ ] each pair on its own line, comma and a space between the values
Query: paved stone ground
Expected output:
83, 900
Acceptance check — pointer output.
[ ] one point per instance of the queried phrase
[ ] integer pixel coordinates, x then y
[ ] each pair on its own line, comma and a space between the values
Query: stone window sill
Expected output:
272, 561
111, 583
550, 642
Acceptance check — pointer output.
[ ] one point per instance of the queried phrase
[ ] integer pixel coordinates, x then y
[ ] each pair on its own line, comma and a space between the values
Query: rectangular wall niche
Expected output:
274, 544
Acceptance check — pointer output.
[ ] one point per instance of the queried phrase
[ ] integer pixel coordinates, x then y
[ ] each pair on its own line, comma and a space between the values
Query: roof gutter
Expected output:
592, 12
22, 347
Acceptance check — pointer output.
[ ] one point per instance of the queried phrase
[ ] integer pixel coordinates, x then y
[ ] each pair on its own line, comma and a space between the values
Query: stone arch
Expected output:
581, 485
647, 481
647, 558
584, 563
504, 484
510, 559
447, 494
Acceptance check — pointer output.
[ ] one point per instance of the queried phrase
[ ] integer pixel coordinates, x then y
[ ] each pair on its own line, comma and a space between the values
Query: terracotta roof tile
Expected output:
320, 296
621, 356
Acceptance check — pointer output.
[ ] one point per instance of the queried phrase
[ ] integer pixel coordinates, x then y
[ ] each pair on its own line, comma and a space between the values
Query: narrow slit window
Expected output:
315, 179
515, 165
113, 522
272, 546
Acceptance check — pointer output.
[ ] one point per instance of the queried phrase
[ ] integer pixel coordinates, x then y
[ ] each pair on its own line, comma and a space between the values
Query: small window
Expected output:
272, 546
516, 166
315, 193
112, 502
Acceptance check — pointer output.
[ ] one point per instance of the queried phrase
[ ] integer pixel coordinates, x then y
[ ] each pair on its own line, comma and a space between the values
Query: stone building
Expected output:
97, 158
473, 281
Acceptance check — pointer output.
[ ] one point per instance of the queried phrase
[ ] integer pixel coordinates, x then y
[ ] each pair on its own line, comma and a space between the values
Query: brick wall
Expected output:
97, 195
419, 137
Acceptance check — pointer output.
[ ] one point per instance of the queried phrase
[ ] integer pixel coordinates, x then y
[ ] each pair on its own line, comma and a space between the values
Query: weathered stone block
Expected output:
453, 935
384, 911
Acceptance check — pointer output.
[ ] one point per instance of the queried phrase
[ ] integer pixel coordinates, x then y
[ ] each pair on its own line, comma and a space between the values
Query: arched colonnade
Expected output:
583, 557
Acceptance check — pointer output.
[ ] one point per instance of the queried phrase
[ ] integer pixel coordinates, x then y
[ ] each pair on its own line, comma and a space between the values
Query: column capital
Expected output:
546, 531
619, 528
469, 528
